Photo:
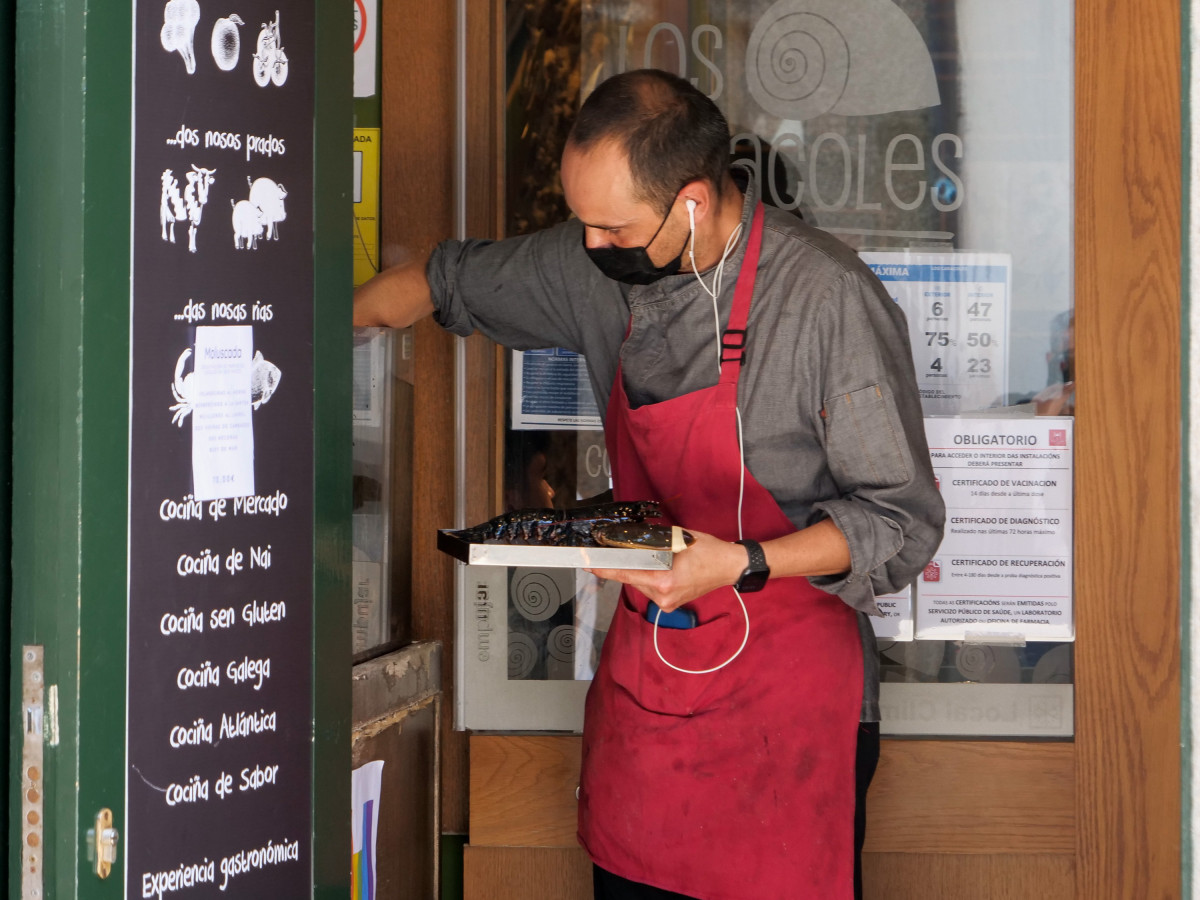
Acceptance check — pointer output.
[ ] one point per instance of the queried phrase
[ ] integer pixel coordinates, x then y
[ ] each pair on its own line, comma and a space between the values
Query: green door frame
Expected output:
70, 304
7, 80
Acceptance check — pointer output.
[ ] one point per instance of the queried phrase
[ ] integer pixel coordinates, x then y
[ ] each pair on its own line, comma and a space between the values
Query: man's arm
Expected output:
710, 563
526, 293
395, 298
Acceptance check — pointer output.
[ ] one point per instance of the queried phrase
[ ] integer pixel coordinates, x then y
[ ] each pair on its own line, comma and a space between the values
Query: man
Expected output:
775, 414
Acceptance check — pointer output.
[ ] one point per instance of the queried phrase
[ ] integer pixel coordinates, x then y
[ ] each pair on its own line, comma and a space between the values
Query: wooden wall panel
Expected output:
962, 797
528, 873
543, 873
944, 876
406, 834
1127, 330
973, 797
523, 790
417, 211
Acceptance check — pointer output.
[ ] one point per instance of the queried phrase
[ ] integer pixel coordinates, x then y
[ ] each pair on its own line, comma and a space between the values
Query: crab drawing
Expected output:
264, 379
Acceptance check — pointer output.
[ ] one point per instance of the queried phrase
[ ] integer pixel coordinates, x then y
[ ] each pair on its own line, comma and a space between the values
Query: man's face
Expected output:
599, 190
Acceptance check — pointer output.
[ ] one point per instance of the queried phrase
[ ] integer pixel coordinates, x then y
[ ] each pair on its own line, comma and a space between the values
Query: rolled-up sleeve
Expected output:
889, 507
510, 290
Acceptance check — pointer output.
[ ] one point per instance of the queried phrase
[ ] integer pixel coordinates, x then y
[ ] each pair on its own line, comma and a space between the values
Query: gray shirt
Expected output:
830, 409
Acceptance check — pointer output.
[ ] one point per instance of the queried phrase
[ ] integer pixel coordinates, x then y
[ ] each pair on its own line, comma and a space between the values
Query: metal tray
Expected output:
551, 557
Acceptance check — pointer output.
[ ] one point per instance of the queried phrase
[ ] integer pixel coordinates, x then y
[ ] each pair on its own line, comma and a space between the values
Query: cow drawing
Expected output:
170, 208
188, 207
260, 215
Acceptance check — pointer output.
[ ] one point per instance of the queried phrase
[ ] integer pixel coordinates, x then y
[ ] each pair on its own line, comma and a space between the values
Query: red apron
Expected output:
737, 784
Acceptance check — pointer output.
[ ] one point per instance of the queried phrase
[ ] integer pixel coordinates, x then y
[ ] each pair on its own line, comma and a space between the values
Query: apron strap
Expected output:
733, 341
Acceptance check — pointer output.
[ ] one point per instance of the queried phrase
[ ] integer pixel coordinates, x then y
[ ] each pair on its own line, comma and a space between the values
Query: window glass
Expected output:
934, 137
381, 464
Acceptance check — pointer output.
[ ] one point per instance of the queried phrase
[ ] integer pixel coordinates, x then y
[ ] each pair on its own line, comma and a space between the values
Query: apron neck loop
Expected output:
733, 341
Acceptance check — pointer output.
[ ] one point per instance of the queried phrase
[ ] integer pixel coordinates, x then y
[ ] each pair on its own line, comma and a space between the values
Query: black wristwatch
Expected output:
754, 576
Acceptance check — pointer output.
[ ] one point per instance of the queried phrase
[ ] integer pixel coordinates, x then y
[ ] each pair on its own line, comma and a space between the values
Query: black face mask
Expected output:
632, 265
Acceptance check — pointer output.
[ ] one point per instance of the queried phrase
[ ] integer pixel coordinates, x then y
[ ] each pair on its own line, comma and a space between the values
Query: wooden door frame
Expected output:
1190, 543
1123, 770
1128, 188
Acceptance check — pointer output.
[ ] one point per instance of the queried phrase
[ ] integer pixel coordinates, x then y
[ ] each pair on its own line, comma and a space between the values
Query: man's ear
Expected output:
697, 198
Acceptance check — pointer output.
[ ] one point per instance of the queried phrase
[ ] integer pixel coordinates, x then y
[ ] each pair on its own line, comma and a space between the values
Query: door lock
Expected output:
102, 843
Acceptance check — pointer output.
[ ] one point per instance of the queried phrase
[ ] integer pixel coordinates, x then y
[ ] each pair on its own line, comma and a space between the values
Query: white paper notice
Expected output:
369, 356
222, 428
897, 621
551, 391
366, 787
957, 309
1005, 563
366, 24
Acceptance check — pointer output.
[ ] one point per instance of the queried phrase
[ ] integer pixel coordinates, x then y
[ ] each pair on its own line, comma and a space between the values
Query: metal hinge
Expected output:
32, 779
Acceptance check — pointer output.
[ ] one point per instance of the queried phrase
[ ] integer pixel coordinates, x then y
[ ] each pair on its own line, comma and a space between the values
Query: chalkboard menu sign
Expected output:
220, 710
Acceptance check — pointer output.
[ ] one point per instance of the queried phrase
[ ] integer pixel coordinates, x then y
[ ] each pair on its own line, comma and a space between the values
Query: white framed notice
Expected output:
957, 305
371, 357
551, 391
1004, 570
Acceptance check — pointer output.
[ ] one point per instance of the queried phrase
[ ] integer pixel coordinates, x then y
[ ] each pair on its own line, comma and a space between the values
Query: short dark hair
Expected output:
671, 132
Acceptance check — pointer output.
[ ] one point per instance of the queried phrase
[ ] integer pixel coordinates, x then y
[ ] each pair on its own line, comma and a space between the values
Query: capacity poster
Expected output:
220, 720
1005, 565
957, 307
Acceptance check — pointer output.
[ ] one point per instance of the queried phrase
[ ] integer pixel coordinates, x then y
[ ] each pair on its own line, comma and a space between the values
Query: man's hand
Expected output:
708, 564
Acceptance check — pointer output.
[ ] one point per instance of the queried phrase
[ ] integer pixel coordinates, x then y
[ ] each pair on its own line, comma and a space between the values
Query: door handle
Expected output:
102, 844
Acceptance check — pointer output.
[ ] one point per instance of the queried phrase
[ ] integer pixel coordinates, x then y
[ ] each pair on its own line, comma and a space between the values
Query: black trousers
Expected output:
607, 886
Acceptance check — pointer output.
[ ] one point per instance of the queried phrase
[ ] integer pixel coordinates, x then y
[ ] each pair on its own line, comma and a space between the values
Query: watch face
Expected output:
752, 581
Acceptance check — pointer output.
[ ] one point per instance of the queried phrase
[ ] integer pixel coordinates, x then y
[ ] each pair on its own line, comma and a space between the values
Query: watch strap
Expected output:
754, 576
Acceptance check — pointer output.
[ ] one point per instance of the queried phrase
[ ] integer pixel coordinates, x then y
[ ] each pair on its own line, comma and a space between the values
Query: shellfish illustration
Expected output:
264, 379
806, 58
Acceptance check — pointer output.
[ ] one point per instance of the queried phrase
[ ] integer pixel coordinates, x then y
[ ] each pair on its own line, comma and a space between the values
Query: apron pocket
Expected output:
655, 686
